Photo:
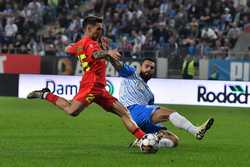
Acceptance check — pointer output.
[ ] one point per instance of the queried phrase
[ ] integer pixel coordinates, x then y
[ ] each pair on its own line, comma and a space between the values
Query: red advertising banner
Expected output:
20, 64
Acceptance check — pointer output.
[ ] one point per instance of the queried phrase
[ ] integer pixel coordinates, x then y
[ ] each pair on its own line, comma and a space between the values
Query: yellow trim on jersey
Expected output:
85, 65
90, 98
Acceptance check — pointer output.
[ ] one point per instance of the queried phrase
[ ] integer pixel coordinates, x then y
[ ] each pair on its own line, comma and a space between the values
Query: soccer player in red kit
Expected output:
92, 86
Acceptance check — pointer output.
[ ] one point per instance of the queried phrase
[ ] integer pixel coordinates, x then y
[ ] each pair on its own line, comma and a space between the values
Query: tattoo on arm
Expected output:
103, 54
100, 54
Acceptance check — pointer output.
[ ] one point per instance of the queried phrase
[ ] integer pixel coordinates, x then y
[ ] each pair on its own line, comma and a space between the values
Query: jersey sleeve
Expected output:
72, 49
126, 71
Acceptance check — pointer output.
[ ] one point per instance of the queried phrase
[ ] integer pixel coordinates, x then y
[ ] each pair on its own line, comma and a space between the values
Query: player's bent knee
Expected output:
164, 114
74, 114
168, 111
161, 115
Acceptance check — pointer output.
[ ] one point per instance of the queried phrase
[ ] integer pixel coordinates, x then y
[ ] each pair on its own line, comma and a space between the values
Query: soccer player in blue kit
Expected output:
136, 95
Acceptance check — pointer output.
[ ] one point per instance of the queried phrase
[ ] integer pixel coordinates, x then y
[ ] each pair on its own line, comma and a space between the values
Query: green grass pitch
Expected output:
36, 133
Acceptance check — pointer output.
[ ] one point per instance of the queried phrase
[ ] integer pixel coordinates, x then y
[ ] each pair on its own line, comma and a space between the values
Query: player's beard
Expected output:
145, 76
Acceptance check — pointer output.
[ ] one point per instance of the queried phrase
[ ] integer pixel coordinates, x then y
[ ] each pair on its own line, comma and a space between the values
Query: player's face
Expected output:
96, 31
147, 69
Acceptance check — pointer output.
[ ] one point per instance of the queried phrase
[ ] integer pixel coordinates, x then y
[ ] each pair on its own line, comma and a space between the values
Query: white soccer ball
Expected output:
149, 143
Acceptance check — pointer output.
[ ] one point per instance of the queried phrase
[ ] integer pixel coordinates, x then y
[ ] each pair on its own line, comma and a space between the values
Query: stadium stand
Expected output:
173, 27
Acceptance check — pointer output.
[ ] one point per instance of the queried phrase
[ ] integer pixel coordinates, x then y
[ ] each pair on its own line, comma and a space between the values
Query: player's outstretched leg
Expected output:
72, 109
180, 121
127, 120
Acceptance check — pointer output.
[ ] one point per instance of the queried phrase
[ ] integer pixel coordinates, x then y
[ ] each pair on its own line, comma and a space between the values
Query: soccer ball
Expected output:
149, 143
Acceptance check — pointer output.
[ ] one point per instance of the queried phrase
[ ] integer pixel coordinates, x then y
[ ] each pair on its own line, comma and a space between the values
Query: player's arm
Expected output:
116, 64
72, 49
100, 54
113, 56
124, 70
107, 54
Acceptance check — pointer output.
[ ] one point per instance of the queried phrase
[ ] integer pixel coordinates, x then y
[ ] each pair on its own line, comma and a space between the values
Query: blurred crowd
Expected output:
194, 27
41, 27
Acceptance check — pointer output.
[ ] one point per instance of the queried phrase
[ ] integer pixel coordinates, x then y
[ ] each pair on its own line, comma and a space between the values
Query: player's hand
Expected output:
114, 54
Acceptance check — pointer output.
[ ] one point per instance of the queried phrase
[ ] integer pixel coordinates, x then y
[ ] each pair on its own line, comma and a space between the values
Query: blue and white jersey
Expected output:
134, 90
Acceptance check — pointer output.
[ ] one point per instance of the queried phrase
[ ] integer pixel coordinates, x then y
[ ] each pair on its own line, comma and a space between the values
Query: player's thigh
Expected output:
86, 94
82, 99
110, 103
161, 115
141, 114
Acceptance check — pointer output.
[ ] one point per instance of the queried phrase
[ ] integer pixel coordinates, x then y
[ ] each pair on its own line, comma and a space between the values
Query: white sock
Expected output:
165, 142
181, 122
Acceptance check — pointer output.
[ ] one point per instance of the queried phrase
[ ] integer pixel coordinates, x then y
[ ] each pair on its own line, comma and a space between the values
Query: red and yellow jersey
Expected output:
94, 69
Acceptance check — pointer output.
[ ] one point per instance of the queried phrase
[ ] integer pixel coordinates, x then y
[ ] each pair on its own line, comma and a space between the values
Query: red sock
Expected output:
52, 98
138, 133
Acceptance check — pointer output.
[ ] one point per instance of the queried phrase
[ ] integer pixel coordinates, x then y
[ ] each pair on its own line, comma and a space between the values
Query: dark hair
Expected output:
91, 20
149, 59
